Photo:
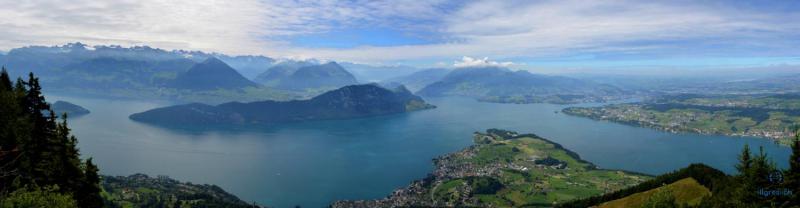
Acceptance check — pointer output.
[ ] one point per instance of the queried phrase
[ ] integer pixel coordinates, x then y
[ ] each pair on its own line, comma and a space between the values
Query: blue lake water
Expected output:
312, 163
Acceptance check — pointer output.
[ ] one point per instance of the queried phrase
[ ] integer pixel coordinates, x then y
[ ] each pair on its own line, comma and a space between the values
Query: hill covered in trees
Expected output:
347, 102
140, 190
62, 107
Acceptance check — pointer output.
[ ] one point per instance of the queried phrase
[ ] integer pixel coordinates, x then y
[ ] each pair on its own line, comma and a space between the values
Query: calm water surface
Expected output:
312, 163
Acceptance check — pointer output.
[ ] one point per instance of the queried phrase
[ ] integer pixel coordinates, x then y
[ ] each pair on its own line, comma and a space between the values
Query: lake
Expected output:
312, 163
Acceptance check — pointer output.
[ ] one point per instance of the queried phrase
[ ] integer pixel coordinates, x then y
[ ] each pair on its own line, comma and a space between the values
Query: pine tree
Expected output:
745, 162
746, 192
39, 152
5, 81
762, 167
792, 175
36, 150
90, 191
8, 139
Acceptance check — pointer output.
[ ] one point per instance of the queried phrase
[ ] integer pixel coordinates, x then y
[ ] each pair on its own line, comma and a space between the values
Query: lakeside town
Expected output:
710, 120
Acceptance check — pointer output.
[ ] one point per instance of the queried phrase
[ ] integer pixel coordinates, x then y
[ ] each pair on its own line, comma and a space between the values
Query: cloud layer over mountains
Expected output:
444, 29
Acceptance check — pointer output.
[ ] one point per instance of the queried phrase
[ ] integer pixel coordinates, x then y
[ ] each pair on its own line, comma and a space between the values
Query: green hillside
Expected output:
685, 191
758, 183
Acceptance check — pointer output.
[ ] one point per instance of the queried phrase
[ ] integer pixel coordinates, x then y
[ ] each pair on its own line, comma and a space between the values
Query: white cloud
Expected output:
231, 26
505, 29
467, 61
227, 26
501, 29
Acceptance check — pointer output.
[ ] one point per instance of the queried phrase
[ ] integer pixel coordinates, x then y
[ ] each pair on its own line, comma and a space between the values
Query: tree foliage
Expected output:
38, 150
663, 198
38, 197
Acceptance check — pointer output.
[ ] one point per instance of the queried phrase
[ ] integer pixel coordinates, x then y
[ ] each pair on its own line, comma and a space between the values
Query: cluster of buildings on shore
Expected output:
678, 122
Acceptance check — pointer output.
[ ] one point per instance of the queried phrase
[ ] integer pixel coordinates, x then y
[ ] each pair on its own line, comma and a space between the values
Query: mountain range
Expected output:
140, 63
347, 102
143, 71
306, 76
419, 79
498, 84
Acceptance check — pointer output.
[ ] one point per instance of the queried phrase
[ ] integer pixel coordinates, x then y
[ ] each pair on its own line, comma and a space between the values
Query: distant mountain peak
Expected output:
401, 89
211, 74
303, 76
214, 60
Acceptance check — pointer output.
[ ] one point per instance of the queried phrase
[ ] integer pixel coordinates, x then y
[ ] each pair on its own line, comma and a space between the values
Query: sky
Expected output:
528, 34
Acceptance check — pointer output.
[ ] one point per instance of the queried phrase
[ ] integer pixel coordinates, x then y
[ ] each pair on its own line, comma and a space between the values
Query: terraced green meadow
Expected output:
505, 169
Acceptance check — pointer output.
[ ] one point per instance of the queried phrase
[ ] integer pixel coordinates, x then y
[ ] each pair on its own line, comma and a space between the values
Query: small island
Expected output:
352, 101
61, 107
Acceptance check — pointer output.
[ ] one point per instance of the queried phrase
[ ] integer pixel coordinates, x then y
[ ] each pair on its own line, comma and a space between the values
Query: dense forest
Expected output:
39, 163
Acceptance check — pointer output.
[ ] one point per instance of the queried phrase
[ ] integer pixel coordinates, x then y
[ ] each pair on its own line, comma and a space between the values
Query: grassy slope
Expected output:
686, 190
545, 185
704, 175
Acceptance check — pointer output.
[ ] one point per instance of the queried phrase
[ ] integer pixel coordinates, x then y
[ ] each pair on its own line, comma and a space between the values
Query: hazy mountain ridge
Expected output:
497, 84
110, 72
209, 75
347, 102
49, 61
138, 72
304, 76
419, 79
273, 75
377, 73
